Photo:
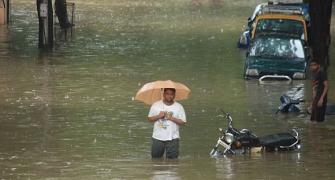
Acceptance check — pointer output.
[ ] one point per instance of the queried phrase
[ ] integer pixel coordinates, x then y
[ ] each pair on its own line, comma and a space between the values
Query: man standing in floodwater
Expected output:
319, 90
167, 115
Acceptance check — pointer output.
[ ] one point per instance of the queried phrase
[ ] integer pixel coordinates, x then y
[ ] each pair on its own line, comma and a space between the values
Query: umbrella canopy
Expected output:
153, 91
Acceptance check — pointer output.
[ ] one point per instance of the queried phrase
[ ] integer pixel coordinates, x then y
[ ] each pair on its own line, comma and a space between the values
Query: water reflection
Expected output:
224, 168
165, 170
4, 41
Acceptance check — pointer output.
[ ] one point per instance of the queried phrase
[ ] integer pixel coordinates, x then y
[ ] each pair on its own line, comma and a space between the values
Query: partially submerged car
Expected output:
301, 9
276, 54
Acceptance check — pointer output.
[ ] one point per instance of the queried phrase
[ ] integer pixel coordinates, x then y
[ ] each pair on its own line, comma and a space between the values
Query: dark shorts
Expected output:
171, 148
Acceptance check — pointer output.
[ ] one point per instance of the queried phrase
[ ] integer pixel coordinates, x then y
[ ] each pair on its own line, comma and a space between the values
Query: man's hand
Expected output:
320, 102
309, 109
169, 117
175, 120
161, 115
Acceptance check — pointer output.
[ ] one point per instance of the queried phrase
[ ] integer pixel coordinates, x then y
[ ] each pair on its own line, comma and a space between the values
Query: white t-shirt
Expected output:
166, 130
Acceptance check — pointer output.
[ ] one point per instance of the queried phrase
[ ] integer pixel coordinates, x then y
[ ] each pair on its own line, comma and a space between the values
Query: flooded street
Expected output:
69, 113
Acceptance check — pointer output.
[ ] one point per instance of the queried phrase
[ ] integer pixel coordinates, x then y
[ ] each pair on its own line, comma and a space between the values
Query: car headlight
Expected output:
243, 38
299, 75
229, 138
252, 72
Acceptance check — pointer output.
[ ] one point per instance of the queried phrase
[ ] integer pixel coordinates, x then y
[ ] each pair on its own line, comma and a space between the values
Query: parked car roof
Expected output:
285, 9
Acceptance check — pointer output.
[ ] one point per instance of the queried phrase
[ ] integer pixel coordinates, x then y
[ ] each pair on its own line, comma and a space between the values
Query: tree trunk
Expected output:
320, 12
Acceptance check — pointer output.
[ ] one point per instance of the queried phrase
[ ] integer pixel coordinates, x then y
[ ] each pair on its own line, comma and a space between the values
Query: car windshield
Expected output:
277, 47
281, 26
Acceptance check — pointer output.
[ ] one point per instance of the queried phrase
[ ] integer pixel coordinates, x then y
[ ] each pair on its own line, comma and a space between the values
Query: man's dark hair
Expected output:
314, 62
171, 89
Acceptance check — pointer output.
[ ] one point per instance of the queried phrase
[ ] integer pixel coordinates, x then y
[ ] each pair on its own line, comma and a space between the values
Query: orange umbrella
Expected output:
153, 91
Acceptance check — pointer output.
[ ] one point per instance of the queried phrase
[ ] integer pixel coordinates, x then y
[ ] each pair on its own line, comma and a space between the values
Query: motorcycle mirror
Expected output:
230, 121
223, 112
220, 110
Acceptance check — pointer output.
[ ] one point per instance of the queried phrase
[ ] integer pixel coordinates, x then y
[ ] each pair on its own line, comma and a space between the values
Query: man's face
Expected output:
314, 67
169, 95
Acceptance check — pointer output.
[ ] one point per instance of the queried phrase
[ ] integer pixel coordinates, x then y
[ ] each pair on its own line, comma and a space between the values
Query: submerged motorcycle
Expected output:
234, 141
290, 104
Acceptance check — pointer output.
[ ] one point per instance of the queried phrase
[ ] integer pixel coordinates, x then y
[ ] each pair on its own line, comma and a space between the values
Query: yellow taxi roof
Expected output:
281, 16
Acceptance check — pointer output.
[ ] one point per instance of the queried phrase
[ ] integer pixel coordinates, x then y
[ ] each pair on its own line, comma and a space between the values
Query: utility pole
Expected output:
45, 19
8, 11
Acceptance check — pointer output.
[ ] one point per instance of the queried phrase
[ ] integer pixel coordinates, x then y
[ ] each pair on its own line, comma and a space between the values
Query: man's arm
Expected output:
313, 92
155, 118
181, 120
176, 120
325, 90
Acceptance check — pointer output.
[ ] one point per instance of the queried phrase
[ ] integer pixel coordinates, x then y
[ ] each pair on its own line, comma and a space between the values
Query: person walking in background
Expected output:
61, 12
319, 92
167, 115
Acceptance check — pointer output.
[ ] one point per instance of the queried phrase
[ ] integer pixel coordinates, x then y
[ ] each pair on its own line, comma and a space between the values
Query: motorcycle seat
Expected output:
277, 140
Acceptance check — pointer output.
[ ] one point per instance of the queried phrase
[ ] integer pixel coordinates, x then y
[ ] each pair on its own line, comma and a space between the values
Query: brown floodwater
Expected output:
68, 113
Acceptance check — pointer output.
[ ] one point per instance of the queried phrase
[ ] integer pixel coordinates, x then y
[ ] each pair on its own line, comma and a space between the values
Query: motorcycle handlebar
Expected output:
297, 101
227, 116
